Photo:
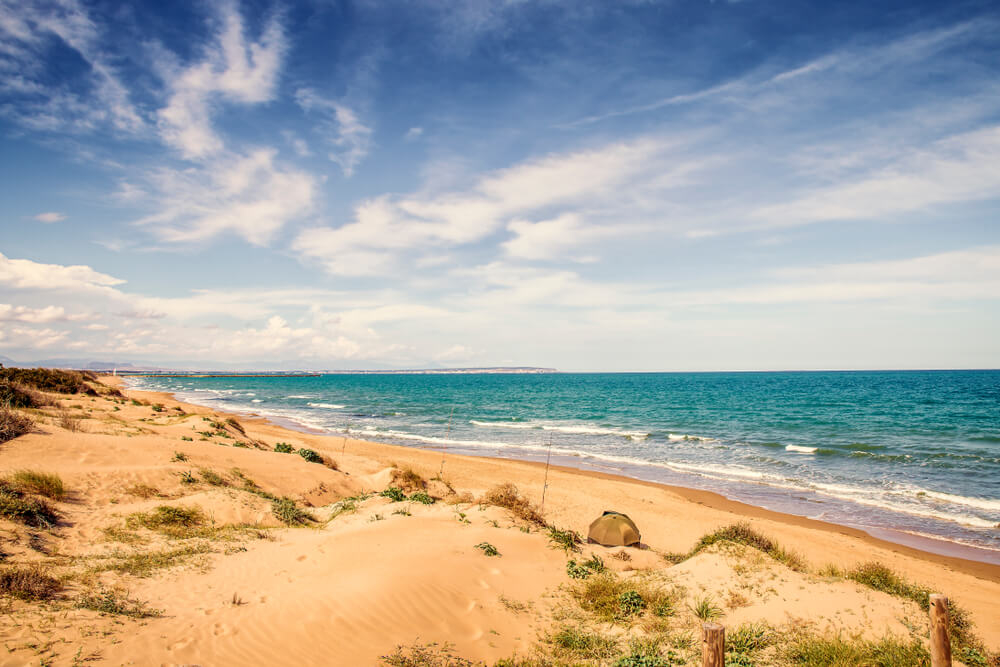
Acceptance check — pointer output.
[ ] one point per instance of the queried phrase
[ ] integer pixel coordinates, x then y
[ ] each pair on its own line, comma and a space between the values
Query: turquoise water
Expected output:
900, 454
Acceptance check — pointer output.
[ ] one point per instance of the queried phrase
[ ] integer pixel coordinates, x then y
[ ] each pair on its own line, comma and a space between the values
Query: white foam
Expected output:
682, 436
257, 400
801, 450
988, 504
302, 396
562, 428
331, 406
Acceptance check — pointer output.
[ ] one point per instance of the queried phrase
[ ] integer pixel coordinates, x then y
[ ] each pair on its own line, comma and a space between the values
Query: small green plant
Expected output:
135, 402
488, 549
168, 519
584, 569
187, 438
179, 457
580, 643
310, 455
375, 517
187, 477
567, 540
403, 511
158, 407
287, 512
631, 603
393, 493
283, 448
425, 655
422, 498
745, 642
705, 609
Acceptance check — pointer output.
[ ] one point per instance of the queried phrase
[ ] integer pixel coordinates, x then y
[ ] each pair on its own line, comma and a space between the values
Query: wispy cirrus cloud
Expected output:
348, 137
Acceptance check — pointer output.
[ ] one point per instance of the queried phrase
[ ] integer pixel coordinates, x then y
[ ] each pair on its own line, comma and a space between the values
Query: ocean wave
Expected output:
301, 396
331, 406
562, 428
800, 449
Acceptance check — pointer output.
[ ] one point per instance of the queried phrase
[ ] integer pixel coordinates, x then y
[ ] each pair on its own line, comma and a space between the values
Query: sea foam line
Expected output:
561, 428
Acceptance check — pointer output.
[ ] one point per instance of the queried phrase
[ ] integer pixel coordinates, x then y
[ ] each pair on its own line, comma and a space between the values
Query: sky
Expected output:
628, 185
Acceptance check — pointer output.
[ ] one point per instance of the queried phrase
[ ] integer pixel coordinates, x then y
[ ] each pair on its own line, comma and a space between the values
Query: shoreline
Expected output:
710, 499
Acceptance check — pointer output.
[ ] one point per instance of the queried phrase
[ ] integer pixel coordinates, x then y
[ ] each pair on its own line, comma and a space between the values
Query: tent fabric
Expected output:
613, 529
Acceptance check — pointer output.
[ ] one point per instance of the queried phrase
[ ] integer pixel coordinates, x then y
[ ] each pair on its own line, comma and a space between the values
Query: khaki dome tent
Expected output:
614, 529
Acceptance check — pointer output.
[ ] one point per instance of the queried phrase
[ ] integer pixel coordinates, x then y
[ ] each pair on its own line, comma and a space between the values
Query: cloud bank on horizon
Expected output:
585, 185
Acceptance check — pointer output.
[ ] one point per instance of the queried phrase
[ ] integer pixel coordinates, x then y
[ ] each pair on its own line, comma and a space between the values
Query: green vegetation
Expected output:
742, 533
142, 491
966, 646
508, 497
19, 506
235, 425
888, 652
158, 407
48, 379
28, 582
212, 477
584, 569
187, 477
44, 484
425, 655
488, 549
408, 479
705, 609
422, 498
287, 512
116, 602
179, 457
575, 642
310, 455
611, 598
567, 540
15, 395
145, 563
13, 423
393, 493
283, 448
173, 521
745, 642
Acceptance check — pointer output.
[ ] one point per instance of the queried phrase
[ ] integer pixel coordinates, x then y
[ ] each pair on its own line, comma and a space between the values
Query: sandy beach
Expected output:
365, 575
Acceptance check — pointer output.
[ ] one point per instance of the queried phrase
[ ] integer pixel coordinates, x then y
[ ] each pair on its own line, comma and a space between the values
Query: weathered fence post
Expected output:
713, 645
940, 639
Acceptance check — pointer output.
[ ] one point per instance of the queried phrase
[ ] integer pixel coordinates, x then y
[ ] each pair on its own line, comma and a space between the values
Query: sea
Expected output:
908, 456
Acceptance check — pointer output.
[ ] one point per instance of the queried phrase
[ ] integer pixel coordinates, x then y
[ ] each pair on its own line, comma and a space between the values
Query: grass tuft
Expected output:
45, 484
488, 549
286, 511
19, 507
393, 493
425, 655
31, 583
173, 521
115, 602
567, 540
887, 652
742, 533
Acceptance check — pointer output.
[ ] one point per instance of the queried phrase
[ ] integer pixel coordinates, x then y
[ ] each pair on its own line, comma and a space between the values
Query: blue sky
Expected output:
637, 185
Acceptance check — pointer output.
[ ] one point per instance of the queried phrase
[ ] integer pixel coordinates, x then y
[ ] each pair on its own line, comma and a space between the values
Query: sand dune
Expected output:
353, 585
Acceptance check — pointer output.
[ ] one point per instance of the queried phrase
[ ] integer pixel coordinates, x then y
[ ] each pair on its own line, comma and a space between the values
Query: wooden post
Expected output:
713, 645
940, 639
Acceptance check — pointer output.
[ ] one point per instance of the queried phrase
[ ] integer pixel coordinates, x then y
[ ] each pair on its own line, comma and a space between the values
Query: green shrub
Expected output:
175, 521
13, 423
705, 609
583, 644
44, 484
743, 533
585, 568
567, 540
47, 379
284, 448
310, 455
422, 498
630, 603
158, 407
18, 396
31, 583
287, 512
488, 549
393, 493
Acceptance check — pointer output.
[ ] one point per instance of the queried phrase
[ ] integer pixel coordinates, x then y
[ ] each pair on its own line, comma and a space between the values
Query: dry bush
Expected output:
16, 395
18, 506
142, 491
408, 479
460, 498
31, 583
13, 423
508, 497
69, 421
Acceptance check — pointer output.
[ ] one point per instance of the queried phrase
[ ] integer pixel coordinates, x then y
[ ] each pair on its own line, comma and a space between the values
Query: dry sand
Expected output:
350, 590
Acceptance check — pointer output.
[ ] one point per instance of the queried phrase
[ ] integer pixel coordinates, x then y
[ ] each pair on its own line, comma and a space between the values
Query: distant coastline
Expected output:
515, 370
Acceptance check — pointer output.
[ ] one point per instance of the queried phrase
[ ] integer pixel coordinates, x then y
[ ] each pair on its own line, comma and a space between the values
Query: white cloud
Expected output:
413, 133
50, 217
350, 138
234, 69
248, 195
9, 313
551, 239
26, 274
386, 227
